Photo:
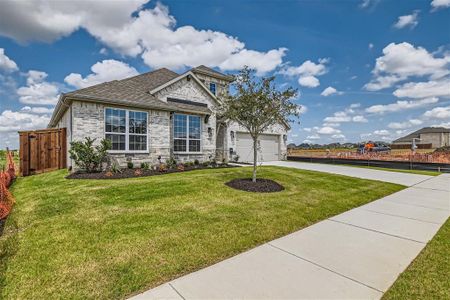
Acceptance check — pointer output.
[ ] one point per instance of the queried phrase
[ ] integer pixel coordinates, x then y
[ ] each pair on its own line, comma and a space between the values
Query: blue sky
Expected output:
365, 69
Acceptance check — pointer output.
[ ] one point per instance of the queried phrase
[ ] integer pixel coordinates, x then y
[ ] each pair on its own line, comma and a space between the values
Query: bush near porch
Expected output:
103, 239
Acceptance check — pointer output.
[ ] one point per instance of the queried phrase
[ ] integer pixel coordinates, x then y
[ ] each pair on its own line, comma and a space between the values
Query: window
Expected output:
212, 88
186, 133
126, 129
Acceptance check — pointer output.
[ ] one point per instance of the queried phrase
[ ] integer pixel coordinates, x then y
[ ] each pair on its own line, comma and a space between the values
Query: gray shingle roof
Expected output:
416, 134
133, 92
208, 71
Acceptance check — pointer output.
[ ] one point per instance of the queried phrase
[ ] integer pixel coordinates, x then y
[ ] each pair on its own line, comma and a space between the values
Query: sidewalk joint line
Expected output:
392, 215
373, 230
426, 188
179, 294
325, 268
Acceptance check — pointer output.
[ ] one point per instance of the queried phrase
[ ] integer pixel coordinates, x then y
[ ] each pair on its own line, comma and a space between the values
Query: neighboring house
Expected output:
162, 114
436, 136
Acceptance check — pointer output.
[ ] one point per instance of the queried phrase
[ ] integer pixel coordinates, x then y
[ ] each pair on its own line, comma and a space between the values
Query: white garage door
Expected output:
268, 150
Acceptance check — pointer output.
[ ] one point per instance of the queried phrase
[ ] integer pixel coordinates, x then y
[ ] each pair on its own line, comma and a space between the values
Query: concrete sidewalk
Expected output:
357, 254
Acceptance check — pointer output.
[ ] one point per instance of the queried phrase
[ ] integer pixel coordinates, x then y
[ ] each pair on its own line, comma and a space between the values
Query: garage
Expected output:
269, 147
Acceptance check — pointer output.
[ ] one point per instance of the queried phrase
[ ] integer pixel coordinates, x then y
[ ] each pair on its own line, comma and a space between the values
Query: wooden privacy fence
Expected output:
42, 151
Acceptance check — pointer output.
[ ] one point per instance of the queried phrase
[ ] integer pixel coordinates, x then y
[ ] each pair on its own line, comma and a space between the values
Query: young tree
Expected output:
257, 104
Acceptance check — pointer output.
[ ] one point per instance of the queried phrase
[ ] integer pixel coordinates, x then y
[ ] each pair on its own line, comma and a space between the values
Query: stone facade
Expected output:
190, 90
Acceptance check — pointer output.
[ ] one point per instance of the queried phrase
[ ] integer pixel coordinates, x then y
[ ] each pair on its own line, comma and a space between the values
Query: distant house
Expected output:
162, 114
436, 136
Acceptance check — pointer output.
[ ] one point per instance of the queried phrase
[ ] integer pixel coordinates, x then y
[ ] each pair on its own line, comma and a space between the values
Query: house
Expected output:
162, 114
436, 136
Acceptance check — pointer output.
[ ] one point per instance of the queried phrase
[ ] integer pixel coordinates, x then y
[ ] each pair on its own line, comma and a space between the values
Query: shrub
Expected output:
444, 149
236, 158
137, 172
162, 168
86, 156
196, 162
130, 165
145, 166
115, 168
205, 163
171, 163
180, 167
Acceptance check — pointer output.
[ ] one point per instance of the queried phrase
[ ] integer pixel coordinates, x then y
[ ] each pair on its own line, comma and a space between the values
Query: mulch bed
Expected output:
130, 173
261, 185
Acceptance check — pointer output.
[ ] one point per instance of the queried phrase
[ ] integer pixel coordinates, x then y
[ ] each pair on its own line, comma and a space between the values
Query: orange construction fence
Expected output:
6, 178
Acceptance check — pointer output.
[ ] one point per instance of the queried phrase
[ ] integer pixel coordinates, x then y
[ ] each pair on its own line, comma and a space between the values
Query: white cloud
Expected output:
307, 129
359, 119
338, 136
103, 71
38, 91
438, 113
6, 63
11, 121
382, 132
400, 105
302, 110
308, 72
403, 60
37, 110
406, 124
328, 130
347, 115
370, 46
443, 124
307, 141
331, 124
129, 29
365, 4
338, 118
263, 62
436, 4
410, 21
330, 91
439, 88
313, 137
309, 81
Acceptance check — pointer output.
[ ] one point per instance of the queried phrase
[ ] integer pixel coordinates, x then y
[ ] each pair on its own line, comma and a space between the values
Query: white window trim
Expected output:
127, 134
187, 135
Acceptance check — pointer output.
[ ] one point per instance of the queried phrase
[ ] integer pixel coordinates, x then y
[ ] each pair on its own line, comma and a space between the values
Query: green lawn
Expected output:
428, 275
114, 238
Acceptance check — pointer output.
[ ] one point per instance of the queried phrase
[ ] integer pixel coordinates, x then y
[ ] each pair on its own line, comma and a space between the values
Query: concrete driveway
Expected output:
357, 254
406, 179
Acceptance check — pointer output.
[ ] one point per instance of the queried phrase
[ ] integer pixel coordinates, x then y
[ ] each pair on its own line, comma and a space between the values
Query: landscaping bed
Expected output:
131, 173
261, 185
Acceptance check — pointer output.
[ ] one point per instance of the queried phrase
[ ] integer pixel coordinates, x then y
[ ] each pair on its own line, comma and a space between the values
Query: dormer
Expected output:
218, 83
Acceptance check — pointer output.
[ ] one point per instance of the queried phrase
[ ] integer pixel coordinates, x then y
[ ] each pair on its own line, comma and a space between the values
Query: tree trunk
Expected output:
255, 155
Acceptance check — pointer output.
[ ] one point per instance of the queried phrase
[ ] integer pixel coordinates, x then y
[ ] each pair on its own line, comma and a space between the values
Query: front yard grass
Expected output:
108, 239
428, 275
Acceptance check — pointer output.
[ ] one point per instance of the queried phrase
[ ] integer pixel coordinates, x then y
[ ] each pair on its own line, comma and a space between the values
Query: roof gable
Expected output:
188, 76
